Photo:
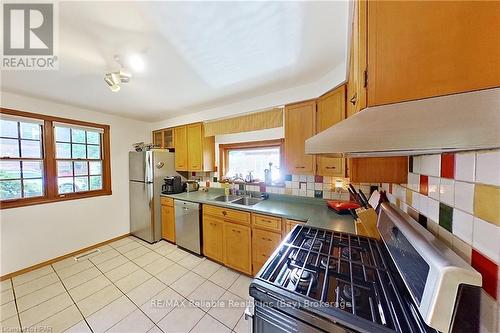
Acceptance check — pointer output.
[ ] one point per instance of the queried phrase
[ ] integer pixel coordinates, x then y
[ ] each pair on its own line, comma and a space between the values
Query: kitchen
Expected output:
344, 179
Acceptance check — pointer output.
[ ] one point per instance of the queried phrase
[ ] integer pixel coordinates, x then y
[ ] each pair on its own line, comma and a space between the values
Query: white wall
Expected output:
33, 234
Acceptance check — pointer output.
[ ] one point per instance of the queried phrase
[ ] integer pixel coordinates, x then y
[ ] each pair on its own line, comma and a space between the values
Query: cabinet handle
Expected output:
331, 168
224, 213
300, 167
267, 239
238, 231
353, 100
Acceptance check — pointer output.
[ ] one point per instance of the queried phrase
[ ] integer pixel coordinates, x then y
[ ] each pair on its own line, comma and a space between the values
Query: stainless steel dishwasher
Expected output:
187, 225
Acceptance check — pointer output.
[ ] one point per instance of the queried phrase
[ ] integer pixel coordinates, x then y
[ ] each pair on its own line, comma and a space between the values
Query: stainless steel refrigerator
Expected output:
146, 172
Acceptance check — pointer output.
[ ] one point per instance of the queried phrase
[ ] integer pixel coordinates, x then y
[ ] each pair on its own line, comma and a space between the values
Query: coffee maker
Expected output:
172, 185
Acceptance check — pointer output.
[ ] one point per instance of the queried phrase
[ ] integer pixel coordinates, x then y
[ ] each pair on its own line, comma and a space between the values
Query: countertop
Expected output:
313, 211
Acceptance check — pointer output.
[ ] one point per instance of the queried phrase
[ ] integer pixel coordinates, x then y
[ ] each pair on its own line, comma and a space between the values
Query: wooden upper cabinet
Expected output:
299, 126
193, 151
331, 110
181, 148
356, 89
164, 138
195, 147
420, 49
379, 170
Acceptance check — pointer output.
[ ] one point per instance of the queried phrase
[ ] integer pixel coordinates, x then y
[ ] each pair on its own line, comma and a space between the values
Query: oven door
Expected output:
270, 320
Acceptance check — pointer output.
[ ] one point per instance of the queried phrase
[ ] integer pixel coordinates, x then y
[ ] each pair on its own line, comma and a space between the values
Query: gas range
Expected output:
321, 280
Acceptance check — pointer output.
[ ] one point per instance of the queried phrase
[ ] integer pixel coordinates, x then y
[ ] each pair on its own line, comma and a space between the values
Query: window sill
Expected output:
43, 200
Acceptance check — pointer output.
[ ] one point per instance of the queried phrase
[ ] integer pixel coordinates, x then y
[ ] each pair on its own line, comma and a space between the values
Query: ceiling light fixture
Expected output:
115, 79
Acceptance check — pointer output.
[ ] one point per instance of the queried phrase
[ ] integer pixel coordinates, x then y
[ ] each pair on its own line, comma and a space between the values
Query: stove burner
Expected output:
344, 253
331, 263
305, 278
313, 246
347, 292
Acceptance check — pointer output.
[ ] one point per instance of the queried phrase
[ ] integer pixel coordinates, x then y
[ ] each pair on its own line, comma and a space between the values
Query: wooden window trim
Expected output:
49, 162
225, 148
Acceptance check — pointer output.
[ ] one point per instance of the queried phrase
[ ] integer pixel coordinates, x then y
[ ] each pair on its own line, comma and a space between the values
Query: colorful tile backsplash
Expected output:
457, 198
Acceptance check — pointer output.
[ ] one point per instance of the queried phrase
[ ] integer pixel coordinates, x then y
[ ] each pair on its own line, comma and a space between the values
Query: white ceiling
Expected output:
198, 55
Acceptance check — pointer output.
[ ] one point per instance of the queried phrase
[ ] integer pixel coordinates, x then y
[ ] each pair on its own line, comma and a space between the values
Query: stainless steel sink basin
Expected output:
247, 201
226, 198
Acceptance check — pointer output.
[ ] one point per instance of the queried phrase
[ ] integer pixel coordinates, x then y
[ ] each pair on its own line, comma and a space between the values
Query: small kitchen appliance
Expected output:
319, 280
190, 186
172, 185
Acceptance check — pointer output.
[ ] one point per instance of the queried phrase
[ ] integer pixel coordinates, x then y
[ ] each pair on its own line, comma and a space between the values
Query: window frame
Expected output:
49, 159
225, 148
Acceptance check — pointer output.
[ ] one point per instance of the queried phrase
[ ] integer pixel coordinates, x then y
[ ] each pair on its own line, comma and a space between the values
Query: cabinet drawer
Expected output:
227, 214
167, 201
266, 222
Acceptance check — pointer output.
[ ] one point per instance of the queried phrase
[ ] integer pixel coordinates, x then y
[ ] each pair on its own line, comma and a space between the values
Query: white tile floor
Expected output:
131, 286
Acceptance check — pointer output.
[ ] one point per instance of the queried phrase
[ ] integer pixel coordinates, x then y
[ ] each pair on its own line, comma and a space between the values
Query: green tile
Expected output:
445, 216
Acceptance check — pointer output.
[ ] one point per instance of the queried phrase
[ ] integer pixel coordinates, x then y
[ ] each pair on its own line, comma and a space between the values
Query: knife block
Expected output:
366, 223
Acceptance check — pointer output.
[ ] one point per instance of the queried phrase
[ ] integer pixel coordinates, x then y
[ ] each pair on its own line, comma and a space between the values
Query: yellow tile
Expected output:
408, 197
487, 203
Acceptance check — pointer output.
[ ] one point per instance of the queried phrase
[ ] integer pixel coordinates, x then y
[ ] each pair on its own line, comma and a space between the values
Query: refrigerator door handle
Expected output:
149, 167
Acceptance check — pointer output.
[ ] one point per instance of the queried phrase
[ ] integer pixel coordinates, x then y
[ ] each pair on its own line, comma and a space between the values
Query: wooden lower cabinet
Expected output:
167, 219
263, 245
237, 247
213, 236
290, 224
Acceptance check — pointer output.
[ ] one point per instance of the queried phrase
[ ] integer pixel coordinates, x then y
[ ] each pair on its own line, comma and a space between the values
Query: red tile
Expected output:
424, 185
318, 179
489, 271
448, 165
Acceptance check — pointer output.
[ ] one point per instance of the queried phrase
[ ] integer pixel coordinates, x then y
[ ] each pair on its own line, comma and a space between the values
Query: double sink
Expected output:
238, 200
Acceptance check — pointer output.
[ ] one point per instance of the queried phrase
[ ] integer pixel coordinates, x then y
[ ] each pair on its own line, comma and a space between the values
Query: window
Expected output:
21, 167
45, 159
78, 156
241, 158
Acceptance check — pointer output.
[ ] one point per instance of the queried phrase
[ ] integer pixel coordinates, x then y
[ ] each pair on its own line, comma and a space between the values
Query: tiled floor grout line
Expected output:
15, 303
226, 289
74, 302
138, 307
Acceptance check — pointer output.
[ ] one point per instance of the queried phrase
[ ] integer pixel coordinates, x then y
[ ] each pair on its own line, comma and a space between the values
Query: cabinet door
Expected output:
357, 84
420, 49
168, 138
237, 247
195, 147
379, 170
299, 126
290, 224
331, 110
263, 245
213, 238
168, 223
180, 139
158, 138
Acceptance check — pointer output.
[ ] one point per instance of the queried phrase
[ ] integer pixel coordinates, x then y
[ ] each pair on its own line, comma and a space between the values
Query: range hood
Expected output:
467, 121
